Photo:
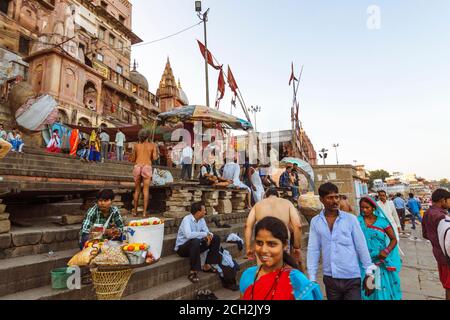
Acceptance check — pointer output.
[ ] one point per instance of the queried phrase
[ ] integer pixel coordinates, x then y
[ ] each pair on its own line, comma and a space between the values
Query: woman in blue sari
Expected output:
383, 249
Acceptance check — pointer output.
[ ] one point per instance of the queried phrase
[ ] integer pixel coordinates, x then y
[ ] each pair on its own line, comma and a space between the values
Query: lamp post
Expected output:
254, 110
355, 162
323, 154
204, 17
335, 146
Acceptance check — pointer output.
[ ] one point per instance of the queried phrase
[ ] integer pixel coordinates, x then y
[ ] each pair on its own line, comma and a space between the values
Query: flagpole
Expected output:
204, 17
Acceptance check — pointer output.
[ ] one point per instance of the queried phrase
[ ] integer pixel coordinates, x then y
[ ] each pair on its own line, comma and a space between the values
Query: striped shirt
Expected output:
95, 216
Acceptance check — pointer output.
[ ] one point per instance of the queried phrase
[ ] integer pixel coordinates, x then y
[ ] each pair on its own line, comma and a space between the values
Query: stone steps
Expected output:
31, 271
183, 289
167, 269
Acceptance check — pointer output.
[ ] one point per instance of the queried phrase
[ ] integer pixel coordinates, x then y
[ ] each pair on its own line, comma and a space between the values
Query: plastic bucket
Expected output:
59, 278
152, 235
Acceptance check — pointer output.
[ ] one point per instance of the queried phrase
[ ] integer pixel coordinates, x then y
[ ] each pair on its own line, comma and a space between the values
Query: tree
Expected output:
377, 174
444, 183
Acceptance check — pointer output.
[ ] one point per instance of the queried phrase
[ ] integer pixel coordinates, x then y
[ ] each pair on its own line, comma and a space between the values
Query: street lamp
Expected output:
323, 154
254, 110
335, 146
204, 17
354, 162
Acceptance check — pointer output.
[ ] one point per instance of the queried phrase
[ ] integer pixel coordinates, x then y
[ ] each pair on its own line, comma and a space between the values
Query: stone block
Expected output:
210, 210
4, 216
5, 240
2, 207
225, 207
5, 226
178, 203
211, 195
171, 214
72, 235
26, 239
186, 197
177, 209
53, 236
71, 219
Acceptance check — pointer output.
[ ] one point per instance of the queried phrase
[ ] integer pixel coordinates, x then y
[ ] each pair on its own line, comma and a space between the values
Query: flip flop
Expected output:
193, 277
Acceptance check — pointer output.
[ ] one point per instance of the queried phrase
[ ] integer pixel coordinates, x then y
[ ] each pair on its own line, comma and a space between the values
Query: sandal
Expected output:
192, 277
134, 212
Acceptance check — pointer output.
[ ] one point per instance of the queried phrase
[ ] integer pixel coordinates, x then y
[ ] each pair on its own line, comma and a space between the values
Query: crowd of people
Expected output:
360, 254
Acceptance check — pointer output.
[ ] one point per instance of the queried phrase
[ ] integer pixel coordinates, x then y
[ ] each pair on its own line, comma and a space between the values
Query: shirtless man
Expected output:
344, 205
282, 209
144, 153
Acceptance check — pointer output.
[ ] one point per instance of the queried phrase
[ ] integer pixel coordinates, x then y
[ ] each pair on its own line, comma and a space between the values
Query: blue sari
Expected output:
387, 278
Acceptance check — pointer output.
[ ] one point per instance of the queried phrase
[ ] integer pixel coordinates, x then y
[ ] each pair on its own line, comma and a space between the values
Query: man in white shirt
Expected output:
390, 212
187, 155
120, 140
104, 138
232, 171
194, 238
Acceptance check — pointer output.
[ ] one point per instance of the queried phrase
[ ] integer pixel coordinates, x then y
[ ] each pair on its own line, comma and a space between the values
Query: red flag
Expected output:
207, 55
232, 82
220, 88
292, 74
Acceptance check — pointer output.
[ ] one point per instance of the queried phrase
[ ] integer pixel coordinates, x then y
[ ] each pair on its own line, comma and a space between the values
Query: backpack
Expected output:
444, 236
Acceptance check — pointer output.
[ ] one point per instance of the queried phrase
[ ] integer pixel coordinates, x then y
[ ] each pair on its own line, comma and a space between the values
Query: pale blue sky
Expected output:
383, 95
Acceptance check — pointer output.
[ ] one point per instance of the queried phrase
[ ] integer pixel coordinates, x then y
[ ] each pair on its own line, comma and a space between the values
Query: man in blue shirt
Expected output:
400, 206
286, 182
337, 236
414, 207
194, 238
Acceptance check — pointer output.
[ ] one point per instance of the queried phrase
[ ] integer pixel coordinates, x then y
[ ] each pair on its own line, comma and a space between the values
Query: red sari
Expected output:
272, 286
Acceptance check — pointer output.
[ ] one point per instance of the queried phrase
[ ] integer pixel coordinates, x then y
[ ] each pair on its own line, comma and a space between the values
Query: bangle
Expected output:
387, 251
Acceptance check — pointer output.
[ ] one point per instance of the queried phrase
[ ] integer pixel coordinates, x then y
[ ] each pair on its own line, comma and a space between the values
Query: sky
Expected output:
382, 94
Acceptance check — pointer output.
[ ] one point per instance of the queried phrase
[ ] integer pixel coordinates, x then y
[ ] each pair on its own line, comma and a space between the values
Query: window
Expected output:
24, 45
120, 46
4, 4
119, 69
121, 19
101, 33
112, 40
100, 57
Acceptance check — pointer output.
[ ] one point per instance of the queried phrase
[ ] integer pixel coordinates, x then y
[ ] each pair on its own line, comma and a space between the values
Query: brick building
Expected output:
79, 52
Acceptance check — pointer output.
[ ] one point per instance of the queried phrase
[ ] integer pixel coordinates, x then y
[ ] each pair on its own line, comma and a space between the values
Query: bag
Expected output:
444, 237
310, 205
84, 257
229, 272
111, 254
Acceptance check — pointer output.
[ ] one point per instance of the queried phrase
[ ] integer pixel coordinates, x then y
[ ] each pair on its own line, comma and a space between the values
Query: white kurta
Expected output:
391, 214
257, 182
232, 171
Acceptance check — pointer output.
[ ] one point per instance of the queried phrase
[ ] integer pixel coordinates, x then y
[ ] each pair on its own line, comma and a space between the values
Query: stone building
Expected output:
348, 179
79, 52
169, 93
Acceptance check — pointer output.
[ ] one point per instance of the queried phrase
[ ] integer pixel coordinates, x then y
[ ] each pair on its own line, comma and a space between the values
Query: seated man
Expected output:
286, 182
105, 214
265, 172
83, 150
231, 171
209, 176
194, 238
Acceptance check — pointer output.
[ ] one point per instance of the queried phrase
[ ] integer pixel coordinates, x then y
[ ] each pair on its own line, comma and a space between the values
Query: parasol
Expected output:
208, 116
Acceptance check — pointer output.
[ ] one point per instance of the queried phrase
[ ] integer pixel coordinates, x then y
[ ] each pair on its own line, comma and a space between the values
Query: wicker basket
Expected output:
110, 285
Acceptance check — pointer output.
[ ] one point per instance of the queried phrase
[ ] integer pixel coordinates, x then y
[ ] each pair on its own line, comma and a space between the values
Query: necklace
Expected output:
274, 285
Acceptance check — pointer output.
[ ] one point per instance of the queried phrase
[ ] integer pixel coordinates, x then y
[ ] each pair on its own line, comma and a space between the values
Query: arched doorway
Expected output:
90, 96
